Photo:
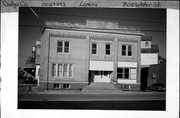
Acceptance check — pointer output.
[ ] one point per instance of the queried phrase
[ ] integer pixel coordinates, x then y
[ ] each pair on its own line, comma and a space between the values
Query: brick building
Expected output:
75, 55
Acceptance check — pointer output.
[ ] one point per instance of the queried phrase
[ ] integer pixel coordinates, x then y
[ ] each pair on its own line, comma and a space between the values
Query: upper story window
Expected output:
63, 46
126, 50
94, 48
108, 49
66, 47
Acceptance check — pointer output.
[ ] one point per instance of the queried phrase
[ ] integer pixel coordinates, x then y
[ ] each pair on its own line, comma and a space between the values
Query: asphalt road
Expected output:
155, 105
125, 101
136, 96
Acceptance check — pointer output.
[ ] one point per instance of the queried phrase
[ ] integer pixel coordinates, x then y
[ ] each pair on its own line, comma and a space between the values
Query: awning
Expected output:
101, 65
127, 64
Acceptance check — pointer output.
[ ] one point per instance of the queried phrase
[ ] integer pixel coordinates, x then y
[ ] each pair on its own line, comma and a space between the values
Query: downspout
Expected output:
48, 62
89, 55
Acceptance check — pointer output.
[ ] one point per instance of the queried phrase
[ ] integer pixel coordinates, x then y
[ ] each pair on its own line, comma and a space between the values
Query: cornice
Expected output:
100, 37
127, 40
68, 35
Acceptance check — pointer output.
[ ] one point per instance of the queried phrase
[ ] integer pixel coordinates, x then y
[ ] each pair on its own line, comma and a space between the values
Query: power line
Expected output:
120, 19
145, 30
31, 26
70, 15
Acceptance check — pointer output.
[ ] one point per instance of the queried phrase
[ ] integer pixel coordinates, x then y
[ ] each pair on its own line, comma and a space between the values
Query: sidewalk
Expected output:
36, 90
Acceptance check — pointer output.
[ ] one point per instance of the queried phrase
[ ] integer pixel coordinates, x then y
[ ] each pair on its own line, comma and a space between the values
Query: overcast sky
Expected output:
151, 21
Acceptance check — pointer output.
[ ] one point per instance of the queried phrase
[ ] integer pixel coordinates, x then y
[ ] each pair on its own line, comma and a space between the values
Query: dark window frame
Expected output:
124, 74
94, 49
64, 47
126, 50
108, 51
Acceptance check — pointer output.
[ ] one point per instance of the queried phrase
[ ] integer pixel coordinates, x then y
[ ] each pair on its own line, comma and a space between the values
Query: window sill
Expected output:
62, 78
62, 53
127, 81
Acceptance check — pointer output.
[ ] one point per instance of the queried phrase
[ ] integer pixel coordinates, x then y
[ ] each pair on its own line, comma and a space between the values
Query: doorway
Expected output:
144, 76
100, 76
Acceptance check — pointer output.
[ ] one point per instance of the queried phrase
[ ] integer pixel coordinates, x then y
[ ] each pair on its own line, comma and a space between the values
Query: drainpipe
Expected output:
89, 54
115, 59
48, 63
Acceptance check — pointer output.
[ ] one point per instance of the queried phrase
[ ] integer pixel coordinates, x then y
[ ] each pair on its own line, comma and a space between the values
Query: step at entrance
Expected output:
101, 88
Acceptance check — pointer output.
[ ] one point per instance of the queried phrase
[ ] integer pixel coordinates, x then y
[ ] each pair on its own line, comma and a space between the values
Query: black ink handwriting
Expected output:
88, 4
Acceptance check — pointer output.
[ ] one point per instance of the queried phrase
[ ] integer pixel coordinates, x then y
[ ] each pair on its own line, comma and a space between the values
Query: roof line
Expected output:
98, 31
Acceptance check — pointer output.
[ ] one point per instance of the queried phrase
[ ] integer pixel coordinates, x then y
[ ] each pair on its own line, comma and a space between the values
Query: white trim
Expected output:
88, 31
62, 82
127, 81
101, 65
37, 73
149, 59
62, 72
127, 64
56, 70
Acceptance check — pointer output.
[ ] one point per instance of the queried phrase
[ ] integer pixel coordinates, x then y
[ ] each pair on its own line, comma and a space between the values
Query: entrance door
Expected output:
144, 75
101, 76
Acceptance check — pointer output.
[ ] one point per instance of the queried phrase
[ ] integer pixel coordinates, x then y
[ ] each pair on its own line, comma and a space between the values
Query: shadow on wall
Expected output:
157, 73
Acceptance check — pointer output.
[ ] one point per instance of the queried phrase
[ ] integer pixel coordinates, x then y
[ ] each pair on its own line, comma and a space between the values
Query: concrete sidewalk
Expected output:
37, 90
95, 92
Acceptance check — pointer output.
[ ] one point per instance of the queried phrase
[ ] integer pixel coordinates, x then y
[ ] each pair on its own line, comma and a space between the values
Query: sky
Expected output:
152, 22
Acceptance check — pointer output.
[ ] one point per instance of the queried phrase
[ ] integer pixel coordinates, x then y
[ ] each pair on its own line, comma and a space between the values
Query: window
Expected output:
59, 69
133, 73
120, 72
70, 70
65, 70
126, 73
123, 50
62, 70
126, 50
123, 73
57, 86
146, 43
94, 48
66, 47
129, 50
60, 46
108, 49
66, 86
63, 46
54, 70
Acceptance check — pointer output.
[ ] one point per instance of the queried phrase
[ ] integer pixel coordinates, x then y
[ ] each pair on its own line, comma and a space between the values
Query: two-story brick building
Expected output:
75, 55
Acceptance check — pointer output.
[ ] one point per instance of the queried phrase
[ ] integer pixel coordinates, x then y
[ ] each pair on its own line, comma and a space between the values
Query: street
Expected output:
124, 101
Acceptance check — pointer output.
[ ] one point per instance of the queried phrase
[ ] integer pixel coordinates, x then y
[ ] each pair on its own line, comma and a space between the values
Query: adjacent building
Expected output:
76, 55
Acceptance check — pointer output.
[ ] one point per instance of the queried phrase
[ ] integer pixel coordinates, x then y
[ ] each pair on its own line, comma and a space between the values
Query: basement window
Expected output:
57, 86
66, 86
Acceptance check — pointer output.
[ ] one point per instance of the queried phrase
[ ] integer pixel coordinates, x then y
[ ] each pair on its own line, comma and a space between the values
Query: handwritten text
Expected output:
88, 4
141, 4
53, 4
15, 4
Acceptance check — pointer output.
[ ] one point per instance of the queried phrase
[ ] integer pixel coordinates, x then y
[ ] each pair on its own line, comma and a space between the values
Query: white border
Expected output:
9, 36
